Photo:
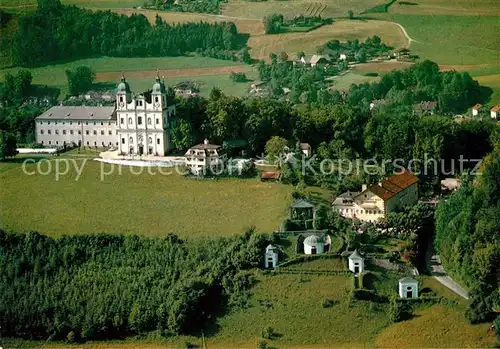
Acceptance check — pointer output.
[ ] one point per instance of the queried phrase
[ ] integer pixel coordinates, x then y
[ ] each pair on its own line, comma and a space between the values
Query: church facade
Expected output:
137, 125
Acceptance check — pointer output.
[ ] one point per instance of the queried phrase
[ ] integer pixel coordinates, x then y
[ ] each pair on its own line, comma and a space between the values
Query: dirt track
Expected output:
170, 73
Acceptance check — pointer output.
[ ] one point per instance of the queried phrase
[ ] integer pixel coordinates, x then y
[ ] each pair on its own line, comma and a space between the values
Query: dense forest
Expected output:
56, 32
468, 237
108, 286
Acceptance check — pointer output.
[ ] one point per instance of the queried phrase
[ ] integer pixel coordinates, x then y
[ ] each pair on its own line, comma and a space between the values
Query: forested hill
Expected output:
57, 32
468, 237
103, 286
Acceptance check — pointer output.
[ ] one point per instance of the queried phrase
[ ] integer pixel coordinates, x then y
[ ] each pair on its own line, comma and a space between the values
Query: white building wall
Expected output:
271, 259
405, 287
92, 133
320, 248
353, 263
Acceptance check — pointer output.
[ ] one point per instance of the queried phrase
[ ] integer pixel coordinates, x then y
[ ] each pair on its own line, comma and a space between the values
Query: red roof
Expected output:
403, 179
477, 106
387, 188
270, 175
496, 108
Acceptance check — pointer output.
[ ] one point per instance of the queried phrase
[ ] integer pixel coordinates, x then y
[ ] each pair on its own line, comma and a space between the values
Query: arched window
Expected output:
131, 140
150, 140
130, 121
149, 121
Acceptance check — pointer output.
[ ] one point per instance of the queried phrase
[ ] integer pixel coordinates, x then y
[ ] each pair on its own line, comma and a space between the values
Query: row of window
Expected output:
71, 132
41, 122
351, 210
131, 140
139, 102
139, 121
103, 144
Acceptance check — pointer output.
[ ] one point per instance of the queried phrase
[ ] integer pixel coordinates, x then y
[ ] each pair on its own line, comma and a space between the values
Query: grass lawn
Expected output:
448, 39
344, 82
492, 81
436, 327
292, 305
320, 264
145, 204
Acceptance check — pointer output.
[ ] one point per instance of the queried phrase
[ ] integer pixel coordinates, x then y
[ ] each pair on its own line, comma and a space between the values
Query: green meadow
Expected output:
153, 204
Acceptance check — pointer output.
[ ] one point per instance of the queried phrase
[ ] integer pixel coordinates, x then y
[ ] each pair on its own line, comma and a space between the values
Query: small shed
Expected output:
301, 210
408, 288
356, 262
314, 244
271, 256
495, 112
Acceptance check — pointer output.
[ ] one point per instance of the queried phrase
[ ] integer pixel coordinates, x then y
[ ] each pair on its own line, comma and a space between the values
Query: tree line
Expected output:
109, 286
56, 32
468, 237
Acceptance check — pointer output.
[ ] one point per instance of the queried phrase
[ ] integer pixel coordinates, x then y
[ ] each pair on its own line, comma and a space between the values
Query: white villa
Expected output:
136, 125
376, 201
205, 157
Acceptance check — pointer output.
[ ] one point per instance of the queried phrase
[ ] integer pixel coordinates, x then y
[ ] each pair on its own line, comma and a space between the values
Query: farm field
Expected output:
326, 8
451, 7
140, 72
144, 204
492, 81
457, 40
343, 30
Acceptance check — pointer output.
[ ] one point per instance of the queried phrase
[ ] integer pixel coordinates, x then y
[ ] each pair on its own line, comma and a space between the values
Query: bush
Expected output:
70, 337
308, 224
496, 323
238, 77
268, 333
262, 345
363, 294
326, 303
478, 310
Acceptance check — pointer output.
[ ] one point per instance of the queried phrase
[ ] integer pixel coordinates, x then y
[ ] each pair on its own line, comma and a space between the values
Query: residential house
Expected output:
495, 112
378, 200
476, 109
314, 60
205, 158
342, 57
425, 107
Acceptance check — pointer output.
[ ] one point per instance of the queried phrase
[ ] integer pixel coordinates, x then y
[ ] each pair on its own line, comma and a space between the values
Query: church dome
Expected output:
158, 86
123, 86
313, 240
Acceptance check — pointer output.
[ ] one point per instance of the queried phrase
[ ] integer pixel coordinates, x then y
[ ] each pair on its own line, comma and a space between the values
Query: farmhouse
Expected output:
136, 125
314, 60
205, 157
495, 112
476, 109
376, 201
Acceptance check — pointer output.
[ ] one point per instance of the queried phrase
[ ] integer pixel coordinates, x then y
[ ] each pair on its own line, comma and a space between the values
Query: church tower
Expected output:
144, 121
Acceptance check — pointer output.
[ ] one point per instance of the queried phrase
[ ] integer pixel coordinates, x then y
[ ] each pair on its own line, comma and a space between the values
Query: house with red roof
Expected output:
376, 201
476, 109
495, 112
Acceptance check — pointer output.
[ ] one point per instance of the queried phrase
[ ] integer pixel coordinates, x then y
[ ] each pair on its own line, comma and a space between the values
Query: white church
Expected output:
137, 125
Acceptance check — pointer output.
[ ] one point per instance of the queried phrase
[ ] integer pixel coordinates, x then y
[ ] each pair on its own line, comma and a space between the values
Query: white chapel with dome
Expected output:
136, 125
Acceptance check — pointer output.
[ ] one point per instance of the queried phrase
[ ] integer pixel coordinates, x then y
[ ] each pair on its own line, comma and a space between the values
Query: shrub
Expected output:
70, 337
268, 333
238, 77
496, 323
327, 303
478, 310
308, 224
262, 345
363, 294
